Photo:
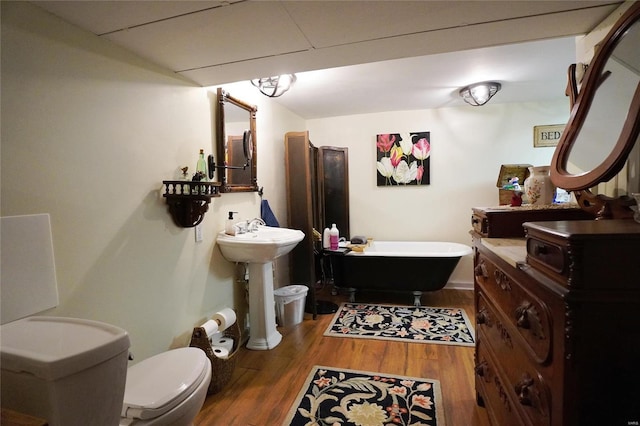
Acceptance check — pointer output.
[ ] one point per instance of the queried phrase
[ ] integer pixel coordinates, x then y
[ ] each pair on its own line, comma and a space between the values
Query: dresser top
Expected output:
511, 250
587, 229
527, 208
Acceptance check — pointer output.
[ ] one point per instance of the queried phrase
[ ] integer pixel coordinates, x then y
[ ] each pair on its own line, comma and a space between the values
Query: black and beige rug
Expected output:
334, 396
419, 324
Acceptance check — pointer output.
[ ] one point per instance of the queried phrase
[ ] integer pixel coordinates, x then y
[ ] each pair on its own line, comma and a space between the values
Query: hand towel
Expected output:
267, 215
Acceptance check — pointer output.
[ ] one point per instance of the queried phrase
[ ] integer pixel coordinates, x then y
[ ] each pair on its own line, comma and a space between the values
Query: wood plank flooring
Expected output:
265, 383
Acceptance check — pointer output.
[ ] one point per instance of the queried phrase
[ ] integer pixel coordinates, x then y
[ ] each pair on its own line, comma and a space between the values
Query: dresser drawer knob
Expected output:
522, 315
482, 316
482, 369
523, 389
527, 318
481, 271
540, 250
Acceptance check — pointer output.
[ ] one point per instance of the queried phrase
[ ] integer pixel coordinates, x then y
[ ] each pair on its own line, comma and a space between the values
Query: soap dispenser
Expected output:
230, 228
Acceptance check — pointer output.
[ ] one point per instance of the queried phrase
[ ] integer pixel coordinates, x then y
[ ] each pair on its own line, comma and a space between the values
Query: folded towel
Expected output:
357, 239
267, 215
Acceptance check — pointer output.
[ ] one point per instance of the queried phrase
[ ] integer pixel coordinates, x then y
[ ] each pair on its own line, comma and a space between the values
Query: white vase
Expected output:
538, 186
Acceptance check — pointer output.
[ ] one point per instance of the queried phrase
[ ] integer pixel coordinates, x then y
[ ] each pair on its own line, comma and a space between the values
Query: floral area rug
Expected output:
333, 396
418, 324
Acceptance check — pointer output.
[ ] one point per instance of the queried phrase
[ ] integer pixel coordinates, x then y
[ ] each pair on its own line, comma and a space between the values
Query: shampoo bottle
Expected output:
230, 228
334, 236
326, 239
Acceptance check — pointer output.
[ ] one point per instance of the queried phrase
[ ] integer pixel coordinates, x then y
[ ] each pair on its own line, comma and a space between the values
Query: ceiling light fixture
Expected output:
274, 86
479, 93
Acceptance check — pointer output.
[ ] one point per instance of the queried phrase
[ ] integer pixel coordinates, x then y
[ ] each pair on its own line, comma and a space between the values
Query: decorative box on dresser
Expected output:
558, 324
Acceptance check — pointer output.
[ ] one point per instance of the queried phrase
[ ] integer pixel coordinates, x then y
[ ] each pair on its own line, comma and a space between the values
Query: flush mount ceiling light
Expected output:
274, 86
479, 93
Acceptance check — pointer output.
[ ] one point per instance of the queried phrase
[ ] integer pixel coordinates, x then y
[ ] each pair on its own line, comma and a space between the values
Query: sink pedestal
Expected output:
259, 248
262, 313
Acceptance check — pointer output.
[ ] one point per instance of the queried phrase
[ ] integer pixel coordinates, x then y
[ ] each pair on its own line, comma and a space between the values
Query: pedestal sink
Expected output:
259, 248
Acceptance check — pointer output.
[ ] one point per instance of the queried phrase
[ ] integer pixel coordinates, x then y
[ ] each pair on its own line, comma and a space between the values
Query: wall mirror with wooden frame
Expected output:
236, 144
604, 123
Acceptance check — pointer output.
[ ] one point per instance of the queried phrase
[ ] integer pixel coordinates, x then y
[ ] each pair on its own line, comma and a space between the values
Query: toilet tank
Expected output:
69, 371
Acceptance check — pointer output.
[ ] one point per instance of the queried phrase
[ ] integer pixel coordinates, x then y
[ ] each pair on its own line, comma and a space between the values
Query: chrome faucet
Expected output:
242, 227
252, 226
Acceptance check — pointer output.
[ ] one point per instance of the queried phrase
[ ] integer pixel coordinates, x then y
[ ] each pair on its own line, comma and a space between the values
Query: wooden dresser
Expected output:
558, 324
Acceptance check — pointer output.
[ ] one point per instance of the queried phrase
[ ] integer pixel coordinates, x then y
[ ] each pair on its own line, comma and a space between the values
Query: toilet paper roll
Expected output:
225, 318
215, 337
210, 327
223, 342
220, 352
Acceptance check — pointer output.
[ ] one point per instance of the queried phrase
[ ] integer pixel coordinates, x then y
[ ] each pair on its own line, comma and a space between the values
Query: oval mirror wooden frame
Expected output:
223, 98
615, 160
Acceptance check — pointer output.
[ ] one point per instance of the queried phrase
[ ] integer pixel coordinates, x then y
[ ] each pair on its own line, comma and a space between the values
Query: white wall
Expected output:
468, 145
89, 132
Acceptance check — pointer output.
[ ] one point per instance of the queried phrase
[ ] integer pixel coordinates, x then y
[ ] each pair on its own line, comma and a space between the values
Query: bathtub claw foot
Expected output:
352, 295
416, 298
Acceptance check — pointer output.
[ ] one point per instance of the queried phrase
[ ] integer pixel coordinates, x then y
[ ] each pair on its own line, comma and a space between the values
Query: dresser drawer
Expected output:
498, 400
530, 391
590, 255
506, 221
524, 311
547, 256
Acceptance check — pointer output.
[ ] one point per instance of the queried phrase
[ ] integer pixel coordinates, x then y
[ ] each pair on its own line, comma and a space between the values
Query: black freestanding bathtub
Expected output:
398, 266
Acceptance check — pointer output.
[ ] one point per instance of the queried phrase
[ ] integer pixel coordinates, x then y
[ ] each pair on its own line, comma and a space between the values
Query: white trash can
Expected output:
290, 302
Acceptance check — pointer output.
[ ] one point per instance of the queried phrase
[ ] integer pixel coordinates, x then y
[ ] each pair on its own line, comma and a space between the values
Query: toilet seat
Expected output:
160, 383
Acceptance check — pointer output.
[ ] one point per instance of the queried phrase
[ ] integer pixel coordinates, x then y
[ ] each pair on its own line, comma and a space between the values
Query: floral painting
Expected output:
403, 158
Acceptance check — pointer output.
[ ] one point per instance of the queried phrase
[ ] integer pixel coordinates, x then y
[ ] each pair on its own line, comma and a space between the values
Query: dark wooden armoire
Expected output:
317, 196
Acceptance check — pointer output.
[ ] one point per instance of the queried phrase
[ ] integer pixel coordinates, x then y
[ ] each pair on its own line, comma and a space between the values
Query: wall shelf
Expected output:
188, 201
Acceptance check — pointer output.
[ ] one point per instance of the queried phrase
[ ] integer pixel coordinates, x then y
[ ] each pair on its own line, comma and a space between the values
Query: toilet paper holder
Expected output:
221, 368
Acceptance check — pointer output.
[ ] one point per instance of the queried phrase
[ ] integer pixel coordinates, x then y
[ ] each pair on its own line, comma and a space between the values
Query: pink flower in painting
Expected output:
385, 142
420, 173
422, 149
396, 155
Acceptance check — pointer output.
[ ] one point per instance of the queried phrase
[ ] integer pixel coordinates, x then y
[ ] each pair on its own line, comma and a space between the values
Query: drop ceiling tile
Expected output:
222, 35
332, 23
100, 17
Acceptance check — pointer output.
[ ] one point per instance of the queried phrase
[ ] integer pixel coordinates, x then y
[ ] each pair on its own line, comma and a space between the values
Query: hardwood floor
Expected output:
265, 383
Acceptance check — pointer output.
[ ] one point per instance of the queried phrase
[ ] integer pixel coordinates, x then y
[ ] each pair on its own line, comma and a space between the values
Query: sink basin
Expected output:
263, 245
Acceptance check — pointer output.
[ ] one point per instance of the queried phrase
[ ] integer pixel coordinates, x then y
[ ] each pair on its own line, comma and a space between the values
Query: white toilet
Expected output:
166, 389
72, 371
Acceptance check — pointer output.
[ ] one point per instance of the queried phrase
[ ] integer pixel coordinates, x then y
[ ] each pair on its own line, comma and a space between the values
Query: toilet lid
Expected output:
54, 347
158, 384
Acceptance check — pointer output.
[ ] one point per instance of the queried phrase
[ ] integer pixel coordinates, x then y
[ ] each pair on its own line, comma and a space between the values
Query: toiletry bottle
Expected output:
326, 239
201, 168
230, 228
334, 236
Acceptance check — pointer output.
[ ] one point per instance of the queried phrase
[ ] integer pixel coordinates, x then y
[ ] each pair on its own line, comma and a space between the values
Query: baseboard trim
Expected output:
461, 285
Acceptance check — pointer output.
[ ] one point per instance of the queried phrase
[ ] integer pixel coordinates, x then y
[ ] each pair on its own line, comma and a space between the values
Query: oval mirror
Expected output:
235, 144
605, 119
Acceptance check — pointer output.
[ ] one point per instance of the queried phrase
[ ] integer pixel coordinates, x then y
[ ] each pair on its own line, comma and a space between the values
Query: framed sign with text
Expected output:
544, 136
